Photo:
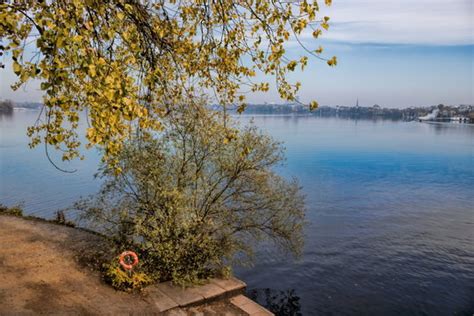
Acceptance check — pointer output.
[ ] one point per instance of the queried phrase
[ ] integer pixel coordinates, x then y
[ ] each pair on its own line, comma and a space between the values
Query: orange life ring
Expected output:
128, 266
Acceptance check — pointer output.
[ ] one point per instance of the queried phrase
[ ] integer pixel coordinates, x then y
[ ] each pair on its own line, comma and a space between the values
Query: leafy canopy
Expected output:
128, 62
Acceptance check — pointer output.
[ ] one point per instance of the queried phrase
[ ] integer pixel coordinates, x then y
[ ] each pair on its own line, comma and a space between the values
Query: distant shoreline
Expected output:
375, 112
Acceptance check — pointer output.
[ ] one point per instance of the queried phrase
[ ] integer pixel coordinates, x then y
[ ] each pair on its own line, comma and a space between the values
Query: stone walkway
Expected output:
175, 300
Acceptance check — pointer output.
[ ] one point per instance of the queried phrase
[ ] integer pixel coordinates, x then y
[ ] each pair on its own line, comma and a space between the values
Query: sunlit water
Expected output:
390, 207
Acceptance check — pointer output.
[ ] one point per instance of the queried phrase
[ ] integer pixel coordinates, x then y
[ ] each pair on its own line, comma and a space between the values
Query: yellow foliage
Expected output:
123, 60
332, 62
124, 280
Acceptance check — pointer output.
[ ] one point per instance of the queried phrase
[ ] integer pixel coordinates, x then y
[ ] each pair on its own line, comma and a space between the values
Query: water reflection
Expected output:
447, 127
6, 115
281, 303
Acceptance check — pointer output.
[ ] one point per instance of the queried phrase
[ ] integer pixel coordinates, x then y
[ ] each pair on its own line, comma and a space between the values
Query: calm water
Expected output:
390, 207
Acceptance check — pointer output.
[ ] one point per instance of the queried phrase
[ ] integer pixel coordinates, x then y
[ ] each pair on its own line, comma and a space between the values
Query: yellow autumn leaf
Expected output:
332, 62
291, 65
91, 70
16, 68
317, 33
109, 94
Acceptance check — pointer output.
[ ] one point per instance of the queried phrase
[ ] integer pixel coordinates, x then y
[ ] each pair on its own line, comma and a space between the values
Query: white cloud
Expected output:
425, 22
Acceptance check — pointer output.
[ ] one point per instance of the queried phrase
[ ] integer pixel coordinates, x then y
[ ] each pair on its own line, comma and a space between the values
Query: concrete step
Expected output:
167, 296
249, 307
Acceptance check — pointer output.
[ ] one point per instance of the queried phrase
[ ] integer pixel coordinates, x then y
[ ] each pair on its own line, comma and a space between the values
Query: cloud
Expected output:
420, 22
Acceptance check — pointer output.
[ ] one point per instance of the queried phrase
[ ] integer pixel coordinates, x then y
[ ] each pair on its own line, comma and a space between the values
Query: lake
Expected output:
390, 207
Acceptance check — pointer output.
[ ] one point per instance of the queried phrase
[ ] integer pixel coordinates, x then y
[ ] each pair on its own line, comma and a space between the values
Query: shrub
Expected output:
14, 210
124, 280
198, 197
61, 219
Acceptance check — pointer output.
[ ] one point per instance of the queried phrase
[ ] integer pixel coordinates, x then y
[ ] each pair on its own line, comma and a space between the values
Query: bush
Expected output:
14, 210
61, 219
124, 280
198, 197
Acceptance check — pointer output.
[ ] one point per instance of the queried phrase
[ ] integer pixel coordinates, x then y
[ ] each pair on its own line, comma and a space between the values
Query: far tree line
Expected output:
349, 112
6, 107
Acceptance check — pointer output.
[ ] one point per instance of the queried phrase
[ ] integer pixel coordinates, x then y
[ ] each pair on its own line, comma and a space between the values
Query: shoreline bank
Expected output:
52, 268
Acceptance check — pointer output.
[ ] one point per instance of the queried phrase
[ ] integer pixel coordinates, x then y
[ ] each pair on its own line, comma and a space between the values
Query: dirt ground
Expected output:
48, 269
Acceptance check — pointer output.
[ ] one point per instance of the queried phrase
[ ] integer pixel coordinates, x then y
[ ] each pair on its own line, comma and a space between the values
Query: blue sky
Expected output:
395, 53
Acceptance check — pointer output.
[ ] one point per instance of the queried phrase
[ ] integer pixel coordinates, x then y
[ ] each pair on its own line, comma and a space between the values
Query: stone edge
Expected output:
168, 296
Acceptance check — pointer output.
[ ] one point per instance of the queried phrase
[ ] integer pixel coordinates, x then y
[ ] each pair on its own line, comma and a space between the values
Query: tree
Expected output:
127, 63
6, 107
196, 198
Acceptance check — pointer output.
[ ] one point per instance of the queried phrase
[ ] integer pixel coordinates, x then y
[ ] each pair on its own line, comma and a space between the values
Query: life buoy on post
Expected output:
124, 256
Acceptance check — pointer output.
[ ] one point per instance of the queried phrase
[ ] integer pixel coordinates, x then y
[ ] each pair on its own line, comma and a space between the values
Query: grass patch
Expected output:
14, 210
